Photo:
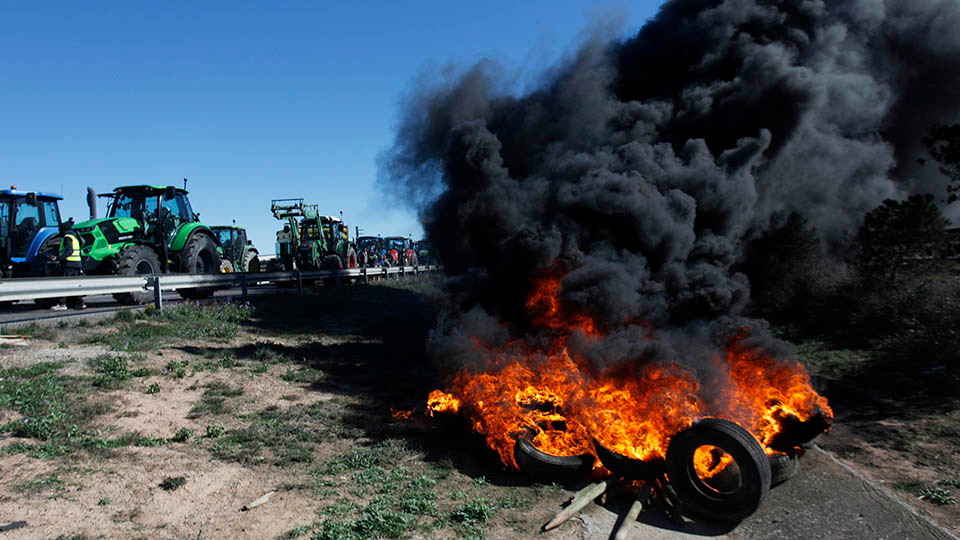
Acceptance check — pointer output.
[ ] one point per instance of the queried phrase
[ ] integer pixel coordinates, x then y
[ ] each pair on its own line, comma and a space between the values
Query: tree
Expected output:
900, 234
943, 143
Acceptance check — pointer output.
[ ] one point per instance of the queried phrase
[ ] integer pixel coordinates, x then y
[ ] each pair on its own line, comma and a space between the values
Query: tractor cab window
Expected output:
186, 211
172, 214
223, 237
27, 224
4, 222
309, 230
137, 206
51, 214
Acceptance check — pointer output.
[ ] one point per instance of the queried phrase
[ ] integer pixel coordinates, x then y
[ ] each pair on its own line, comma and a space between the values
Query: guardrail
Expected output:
56, 287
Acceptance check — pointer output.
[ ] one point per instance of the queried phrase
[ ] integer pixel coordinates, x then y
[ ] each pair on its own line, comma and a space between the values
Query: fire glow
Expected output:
552, 397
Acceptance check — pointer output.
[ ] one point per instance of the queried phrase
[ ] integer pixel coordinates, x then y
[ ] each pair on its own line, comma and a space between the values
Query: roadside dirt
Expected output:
315, 384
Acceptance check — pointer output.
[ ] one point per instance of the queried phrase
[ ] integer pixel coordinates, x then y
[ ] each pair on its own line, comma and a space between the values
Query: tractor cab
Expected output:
237, 253
29, 225
158, 210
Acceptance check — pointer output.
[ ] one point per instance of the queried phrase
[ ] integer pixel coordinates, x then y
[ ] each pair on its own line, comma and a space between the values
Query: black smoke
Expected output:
641, 167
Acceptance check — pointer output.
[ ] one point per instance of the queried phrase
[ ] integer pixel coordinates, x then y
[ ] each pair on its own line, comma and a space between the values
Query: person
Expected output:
71, 263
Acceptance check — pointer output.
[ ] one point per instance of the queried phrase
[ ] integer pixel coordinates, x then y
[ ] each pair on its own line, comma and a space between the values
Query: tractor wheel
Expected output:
199, 256
332, 262
136, 260
251, 262
352, 258
226, 266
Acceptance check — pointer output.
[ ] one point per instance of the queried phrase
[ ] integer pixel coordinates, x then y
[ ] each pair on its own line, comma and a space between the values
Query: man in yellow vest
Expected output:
71, 262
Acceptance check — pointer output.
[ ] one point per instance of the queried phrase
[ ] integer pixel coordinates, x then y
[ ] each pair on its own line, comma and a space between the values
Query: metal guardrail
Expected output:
56, 287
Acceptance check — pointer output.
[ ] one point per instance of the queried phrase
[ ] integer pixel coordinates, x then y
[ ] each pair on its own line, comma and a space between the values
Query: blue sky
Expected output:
249, 100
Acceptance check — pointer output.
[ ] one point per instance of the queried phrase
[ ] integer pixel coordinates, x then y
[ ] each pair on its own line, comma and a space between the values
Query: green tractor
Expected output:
148, 230
310, 241
237, 253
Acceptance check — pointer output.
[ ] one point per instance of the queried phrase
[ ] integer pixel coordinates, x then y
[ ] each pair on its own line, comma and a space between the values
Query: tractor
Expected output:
424, 251
29, 235
400, 251
310, 241
237, 253
370, 250
148, 230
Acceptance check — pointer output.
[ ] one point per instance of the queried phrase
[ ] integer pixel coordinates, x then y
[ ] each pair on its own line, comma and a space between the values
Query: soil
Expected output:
360, 352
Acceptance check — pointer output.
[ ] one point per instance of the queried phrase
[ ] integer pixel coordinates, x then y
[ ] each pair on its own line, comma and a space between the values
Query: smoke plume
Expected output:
637, 171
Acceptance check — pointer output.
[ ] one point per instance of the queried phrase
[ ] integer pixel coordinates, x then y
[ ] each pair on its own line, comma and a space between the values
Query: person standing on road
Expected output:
71, 262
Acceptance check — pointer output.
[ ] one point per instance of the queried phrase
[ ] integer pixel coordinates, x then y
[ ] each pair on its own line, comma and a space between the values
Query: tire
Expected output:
226, 267
634, 469
783, 467
699, 498
199, 256
251, 262
332, 262
352, 258
547, 468
136, 260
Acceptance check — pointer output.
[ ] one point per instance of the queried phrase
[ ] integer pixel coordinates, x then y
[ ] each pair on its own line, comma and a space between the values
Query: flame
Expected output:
561, 403
402, 414
442, 402
710, 461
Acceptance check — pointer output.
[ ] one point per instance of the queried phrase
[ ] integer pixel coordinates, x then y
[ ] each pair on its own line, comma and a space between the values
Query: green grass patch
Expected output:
276, 435
144, 330
213, 401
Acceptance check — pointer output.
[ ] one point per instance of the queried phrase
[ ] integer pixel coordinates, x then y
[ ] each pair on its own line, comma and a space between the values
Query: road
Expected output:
827, 499
25, 312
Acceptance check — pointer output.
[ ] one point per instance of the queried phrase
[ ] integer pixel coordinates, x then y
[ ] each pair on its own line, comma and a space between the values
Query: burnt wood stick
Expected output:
670, 502
620, 533
580, 500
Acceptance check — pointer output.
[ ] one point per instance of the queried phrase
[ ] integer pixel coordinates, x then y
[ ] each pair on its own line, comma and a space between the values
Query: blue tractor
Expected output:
29, 233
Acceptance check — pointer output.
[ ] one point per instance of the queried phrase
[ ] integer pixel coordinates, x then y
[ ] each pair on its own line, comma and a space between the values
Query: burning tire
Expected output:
719, 470
783, 467
548, 468
627, 467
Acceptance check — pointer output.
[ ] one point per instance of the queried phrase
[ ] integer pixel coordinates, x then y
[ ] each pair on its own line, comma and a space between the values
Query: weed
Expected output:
41, 483
104, 501
176, 369
112, 370
227, 361
182, 435
912, 486
295, 533
213, 432
37, 331
950, 482
45, 451
474, 511
171, 483
936, 495
151, 441
62, 345
154, 388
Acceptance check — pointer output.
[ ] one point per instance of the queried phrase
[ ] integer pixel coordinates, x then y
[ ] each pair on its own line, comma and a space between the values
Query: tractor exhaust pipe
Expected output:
92, 202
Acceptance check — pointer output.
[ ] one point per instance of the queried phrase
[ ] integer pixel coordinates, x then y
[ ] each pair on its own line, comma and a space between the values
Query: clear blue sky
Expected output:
249, 100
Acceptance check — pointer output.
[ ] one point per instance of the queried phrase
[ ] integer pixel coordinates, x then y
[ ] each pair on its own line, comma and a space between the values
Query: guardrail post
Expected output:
336, 277
157, 295
386, 276
364, 273
403, 272
243, 285
299, 283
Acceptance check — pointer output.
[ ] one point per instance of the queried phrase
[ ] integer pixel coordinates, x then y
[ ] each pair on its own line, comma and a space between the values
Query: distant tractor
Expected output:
148, 230
424, 251
237, 253
370, 250
400, 251
310, 241
29, 235
29, 228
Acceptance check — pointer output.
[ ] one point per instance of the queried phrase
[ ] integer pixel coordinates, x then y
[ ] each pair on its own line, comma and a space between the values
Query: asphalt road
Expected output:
826, 499
27, 311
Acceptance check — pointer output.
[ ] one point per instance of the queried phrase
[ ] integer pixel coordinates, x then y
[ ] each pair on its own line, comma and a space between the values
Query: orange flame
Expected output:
561, 404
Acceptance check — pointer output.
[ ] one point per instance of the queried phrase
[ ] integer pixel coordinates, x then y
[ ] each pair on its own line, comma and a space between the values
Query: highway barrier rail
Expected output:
55, 287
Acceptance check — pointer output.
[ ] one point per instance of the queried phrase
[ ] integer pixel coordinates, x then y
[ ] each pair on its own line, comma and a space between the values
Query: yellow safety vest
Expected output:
75, 255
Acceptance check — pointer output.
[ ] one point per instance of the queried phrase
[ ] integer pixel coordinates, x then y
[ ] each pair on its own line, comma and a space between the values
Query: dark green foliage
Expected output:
943, 143
902, 238
171, 483
782, 266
